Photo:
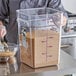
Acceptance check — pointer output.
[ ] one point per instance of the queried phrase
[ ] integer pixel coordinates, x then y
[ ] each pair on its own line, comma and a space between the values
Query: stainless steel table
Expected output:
67, 65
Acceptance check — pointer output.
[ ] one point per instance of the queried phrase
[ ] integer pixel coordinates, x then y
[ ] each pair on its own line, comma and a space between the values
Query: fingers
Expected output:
2, 31
64, 21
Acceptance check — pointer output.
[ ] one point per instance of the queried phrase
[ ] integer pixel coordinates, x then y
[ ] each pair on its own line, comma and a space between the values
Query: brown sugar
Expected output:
42, 49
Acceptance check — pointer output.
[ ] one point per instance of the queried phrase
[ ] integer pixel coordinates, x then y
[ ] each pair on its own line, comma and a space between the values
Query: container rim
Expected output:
39, 8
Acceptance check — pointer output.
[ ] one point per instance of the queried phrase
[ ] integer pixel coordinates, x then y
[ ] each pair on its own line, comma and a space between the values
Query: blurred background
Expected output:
69, 37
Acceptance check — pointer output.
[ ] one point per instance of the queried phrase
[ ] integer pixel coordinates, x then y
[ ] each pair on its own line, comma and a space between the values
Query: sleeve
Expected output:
4, 11
56, 4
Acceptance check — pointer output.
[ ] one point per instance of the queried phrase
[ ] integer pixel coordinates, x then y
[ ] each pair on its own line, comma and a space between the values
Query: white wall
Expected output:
69, 5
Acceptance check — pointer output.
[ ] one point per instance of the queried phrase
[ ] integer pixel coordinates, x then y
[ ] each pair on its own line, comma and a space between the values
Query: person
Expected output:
8, 22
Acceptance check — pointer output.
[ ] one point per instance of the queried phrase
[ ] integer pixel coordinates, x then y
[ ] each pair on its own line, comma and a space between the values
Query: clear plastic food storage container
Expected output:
39, 36
7, 50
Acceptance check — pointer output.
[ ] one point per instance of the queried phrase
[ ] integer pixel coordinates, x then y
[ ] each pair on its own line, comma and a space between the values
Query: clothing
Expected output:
8, 10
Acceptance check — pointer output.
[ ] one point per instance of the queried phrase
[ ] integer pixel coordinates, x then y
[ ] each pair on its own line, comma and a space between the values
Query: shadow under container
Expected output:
39, 36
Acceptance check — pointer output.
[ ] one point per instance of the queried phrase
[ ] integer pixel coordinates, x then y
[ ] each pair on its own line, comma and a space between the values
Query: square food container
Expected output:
39, 32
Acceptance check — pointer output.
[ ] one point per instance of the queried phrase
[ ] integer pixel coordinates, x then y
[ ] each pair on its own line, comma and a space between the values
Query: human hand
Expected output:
2, 30
64, 21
